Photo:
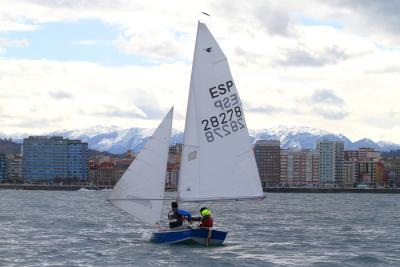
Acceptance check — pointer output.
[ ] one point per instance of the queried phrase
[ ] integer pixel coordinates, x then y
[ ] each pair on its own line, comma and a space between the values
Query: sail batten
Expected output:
217, 161
140, 190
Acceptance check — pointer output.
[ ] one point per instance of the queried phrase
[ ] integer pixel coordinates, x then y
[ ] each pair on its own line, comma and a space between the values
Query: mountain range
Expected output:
117, 140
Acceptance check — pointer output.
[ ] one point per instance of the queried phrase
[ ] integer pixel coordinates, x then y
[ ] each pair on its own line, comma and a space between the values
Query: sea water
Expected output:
53, 228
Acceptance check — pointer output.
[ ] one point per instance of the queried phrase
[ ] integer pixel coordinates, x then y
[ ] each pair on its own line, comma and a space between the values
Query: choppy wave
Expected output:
39, 228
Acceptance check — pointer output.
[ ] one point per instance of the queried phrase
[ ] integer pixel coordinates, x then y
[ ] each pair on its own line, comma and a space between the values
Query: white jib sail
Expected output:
217, 160
140, 190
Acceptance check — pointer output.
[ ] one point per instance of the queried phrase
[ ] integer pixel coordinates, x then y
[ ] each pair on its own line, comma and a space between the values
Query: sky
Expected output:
72, 64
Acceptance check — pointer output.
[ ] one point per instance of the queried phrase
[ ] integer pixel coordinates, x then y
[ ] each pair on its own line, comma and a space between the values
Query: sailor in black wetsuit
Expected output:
177, 216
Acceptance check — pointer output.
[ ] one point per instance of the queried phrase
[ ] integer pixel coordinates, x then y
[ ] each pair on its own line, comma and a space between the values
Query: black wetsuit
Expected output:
175, 219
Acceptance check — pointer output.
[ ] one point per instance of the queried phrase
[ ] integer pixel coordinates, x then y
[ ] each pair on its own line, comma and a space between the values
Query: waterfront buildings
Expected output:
59, 160
299, 168
370, 173
14, 169
349, 173
363, 154
107, 170
268, 158
366, 173
331, 162
3, 167
339, 168
44, 159
54, 159
173, 166
392, 171
104, 174
368, 168
380, 169
77, 160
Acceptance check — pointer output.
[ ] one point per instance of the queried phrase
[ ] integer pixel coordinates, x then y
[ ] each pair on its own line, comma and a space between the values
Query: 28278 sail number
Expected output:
224, 124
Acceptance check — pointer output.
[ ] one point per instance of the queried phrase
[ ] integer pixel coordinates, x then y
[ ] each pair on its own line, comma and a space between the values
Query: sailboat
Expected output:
217, 162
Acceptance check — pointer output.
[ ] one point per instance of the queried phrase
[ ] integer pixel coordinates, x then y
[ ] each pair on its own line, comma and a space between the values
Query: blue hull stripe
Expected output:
187, 235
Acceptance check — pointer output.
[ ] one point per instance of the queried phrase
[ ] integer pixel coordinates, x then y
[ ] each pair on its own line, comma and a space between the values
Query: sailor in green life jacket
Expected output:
177, 216
206, 220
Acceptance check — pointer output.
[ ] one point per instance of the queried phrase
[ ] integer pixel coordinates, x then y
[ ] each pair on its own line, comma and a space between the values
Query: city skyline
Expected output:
55, 160
324, 65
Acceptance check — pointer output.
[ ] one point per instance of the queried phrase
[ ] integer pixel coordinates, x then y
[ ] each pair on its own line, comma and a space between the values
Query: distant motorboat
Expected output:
84, 189
92, 188
106, 190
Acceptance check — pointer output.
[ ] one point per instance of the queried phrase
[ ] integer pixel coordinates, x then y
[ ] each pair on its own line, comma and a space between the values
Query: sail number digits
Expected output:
224, 124
230, 120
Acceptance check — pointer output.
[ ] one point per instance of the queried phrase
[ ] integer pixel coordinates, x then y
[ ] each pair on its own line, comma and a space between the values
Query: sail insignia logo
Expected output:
208, 49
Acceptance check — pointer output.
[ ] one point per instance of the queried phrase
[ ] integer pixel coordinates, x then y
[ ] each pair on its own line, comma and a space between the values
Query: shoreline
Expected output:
267, 190
334, 190
48, 187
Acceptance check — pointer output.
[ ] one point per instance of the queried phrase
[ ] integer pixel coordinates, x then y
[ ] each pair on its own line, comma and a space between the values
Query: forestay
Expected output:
217, 160
141, 188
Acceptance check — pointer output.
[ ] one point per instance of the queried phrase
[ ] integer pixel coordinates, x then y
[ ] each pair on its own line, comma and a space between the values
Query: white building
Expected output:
331, 162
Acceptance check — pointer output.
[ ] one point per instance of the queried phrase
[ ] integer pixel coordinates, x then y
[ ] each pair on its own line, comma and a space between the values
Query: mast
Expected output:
190, 140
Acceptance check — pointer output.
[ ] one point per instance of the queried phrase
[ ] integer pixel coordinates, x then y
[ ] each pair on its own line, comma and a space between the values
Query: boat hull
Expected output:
199, 236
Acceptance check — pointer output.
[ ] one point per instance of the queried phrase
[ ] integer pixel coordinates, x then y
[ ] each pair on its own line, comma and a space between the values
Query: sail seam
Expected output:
219, 60
136, 199
222, 199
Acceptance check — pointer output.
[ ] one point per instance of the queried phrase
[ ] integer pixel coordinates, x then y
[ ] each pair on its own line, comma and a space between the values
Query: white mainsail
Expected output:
217, 159
141, 188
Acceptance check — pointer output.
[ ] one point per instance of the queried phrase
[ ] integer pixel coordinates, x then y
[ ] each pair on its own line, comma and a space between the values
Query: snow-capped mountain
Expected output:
112, 139
298, 137
366, 143
387, 146
118, 140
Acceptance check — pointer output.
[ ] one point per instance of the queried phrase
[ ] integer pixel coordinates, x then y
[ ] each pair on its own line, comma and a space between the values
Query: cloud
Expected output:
104, 94
11, 26
326, 96
394, 69
4, 43
35, 123
327, 104
265, 109
382, 121
154, 45
59, 95
331, 114
3, 115
268, 16
87, 42
114, 111
275, 21
79, 4
358, 15
266, 44
303, 57
151, 111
